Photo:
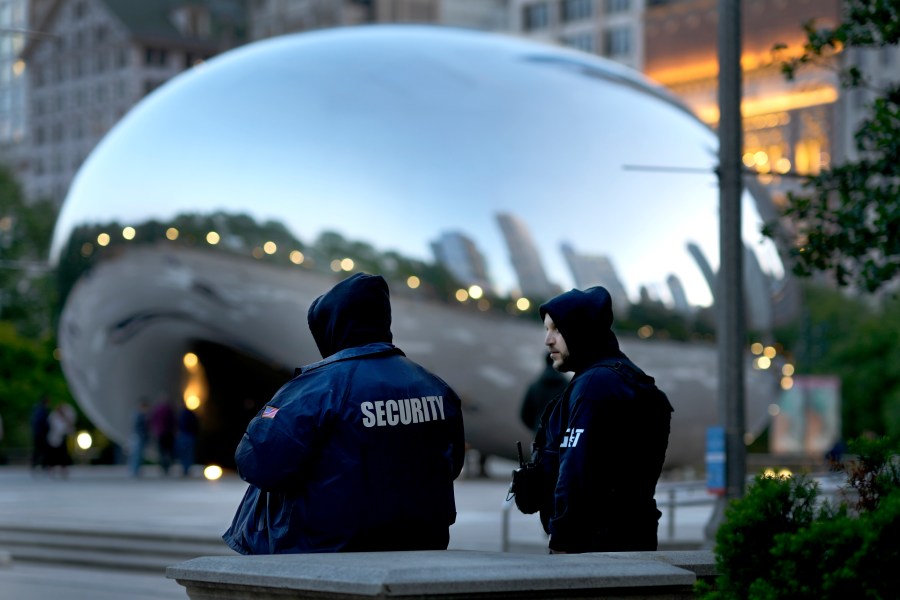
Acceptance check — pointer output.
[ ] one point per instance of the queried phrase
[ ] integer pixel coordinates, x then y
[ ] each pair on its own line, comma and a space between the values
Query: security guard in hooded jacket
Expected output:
602, 443
358, 452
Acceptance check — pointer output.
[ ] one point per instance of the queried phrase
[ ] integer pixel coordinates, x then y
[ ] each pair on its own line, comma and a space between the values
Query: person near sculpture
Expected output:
600, 448
359, 451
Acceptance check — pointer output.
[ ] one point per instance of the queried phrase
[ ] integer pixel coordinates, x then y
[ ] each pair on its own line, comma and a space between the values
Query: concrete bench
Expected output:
445, 575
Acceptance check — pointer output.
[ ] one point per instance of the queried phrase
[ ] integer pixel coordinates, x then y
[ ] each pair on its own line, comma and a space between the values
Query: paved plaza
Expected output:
105, 499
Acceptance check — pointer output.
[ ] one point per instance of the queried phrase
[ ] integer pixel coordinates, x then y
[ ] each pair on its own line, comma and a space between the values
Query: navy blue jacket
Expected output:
602, 443
359, 451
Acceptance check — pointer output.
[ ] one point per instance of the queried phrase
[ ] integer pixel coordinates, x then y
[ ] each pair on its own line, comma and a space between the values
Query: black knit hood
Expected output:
584, 318
355, 312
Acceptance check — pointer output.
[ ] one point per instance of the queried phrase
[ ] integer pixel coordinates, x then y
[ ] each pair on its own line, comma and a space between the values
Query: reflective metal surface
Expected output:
401, 148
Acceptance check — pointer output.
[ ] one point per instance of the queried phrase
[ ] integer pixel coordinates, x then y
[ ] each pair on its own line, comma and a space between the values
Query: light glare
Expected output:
84, 440
212, 472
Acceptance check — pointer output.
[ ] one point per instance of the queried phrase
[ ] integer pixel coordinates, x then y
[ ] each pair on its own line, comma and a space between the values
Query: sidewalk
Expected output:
106, 499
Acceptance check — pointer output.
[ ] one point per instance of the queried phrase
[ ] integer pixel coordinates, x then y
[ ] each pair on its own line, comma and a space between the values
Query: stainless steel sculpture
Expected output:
217, 209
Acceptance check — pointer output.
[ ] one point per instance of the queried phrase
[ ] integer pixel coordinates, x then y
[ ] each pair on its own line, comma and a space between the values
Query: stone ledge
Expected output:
452, 574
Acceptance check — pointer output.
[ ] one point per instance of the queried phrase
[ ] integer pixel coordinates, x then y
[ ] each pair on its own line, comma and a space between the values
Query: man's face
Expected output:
559, 352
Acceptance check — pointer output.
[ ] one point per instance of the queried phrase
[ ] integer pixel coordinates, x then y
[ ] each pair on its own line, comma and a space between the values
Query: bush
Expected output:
28, 371
781, 541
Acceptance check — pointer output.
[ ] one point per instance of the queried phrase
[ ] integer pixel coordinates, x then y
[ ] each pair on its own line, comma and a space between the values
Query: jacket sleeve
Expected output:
569, 526
458, 437
275, 451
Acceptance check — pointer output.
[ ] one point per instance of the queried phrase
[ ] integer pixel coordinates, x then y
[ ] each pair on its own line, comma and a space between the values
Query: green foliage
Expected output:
28, 370
845, 336
27, 295
781, 542
848, 216
772, 507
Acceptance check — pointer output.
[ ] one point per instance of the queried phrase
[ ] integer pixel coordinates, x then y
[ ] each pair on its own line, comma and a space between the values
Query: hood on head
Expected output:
355, 312
584, 318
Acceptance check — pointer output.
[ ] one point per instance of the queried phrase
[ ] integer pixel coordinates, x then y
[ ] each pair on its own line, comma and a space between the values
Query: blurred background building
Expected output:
82, 64
70, 69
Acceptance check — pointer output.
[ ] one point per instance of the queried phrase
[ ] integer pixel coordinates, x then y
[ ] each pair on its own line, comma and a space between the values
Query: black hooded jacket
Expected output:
602, 444
359, 450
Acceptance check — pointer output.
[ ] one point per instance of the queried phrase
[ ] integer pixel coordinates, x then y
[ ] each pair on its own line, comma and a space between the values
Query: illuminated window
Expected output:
808, 157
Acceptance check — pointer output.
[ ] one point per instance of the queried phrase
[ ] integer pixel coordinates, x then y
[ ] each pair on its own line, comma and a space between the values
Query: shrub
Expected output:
781, 541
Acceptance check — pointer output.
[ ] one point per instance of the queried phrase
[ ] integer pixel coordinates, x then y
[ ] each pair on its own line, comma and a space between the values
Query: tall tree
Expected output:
27, 293
848, 217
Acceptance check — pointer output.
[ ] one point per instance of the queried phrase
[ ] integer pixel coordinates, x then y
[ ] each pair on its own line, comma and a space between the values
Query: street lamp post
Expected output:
730, 301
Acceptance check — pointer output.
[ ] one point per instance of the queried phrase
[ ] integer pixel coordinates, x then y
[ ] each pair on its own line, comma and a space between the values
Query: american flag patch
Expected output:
269, 412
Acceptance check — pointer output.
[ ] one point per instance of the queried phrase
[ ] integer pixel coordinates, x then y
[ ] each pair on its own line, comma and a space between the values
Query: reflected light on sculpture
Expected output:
190, 360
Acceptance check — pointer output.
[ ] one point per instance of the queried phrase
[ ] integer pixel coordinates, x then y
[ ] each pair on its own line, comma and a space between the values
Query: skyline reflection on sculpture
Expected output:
454, 251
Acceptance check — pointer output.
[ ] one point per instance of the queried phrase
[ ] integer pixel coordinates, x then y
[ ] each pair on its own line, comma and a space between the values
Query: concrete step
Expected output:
135, 550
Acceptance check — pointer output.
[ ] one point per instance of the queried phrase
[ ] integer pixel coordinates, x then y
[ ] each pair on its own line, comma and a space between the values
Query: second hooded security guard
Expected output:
359, 451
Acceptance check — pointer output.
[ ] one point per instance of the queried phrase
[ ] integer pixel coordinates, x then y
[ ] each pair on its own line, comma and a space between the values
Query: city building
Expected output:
790, 127
525, 259
590, 270
89, 61
679, 298
16, 28
610, 28
758, 294
459, 255
269, 18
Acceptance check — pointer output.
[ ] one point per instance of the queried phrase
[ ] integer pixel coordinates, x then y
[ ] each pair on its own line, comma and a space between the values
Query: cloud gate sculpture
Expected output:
475, 171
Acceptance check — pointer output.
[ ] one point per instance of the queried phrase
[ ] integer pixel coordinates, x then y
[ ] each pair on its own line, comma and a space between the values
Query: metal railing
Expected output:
670, 496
